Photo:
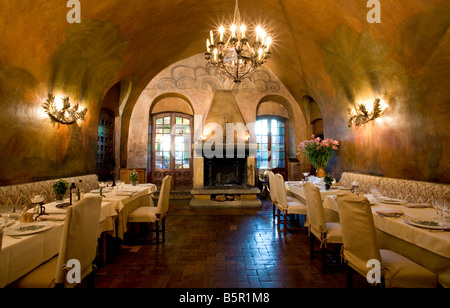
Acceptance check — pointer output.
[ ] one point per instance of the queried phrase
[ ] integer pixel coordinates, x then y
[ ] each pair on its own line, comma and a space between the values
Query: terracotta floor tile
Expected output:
225, 248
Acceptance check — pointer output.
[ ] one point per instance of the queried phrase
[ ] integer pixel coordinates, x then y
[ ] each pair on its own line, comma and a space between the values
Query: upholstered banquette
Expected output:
409, 190
19, 196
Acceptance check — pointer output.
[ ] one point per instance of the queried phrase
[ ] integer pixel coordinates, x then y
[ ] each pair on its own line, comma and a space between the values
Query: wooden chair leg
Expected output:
312, 240
164, 229
285, 227
278, 217
157, 232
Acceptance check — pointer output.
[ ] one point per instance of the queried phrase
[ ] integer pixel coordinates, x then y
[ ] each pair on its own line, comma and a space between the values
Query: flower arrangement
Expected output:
133, 176
318, 151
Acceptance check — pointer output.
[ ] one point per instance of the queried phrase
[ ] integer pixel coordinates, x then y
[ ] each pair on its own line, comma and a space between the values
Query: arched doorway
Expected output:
170, 139
274, 135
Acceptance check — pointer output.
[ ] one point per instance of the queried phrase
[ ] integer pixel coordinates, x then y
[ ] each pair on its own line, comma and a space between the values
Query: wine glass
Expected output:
438, 204
375, 191
305, 174
355, 186
5, 216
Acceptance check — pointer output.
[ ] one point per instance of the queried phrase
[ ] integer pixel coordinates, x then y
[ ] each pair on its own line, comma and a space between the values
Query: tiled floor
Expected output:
220, 249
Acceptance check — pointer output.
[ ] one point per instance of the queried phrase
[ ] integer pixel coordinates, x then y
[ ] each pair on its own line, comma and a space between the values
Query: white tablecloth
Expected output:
428, 248
20, 255
297, 189
127, 199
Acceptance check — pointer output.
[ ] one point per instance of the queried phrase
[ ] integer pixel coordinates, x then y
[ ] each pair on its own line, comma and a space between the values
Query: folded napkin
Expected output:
418, 205
124, 193
390, 213
52, 217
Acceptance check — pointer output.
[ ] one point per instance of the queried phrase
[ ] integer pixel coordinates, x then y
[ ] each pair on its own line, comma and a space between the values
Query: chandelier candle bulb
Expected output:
208, 49
212, 37
233, 31
243, 29
221, 32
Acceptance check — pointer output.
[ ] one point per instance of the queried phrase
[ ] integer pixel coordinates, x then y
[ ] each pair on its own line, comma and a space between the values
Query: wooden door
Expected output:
172, 149
105, 146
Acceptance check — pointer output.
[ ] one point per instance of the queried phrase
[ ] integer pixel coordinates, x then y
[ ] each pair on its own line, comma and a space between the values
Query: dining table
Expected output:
410, 229
125, 199
25, 246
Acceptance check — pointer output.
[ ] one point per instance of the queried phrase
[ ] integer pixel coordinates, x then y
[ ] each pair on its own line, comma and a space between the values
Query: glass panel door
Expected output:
270, 136
172, 139
162, 143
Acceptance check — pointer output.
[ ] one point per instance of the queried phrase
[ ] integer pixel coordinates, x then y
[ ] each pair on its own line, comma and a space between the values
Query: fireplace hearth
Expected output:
225, 172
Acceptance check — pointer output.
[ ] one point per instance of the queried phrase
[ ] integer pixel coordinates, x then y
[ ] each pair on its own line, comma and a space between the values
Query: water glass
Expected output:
438, 204
375, 191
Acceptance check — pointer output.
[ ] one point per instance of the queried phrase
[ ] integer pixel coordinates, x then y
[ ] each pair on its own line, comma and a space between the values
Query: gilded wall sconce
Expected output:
61, 111
361, 115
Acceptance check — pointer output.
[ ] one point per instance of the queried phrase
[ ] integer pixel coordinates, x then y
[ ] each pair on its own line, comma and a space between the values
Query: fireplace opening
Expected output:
225, 172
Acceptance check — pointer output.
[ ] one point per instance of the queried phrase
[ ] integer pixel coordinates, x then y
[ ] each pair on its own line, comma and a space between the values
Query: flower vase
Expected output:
327, 186
133, 183
320, 172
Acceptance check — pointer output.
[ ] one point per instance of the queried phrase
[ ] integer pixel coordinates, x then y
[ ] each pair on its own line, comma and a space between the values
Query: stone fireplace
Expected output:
224, 171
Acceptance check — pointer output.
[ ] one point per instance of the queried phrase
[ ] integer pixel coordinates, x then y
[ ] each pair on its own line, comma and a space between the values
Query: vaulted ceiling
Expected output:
141, 37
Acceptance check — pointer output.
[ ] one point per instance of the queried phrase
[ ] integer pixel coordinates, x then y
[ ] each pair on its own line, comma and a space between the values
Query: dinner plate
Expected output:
29, 228
95, 191
391, 200
427, 223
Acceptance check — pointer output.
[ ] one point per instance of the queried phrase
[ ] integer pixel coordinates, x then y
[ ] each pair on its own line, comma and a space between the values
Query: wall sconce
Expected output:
61, 111
360, 115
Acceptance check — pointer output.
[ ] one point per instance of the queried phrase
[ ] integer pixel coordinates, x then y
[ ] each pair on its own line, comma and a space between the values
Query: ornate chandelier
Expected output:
236, 58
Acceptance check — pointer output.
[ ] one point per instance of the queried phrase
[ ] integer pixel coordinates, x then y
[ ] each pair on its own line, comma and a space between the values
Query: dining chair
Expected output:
273, 193
152, 214
78, 242
319, 229
287, 207
360, 245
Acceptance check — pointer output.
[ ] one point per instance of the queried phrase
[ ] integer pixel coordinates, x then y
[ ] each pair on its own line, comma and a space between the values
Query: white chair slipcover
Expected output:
153, 214
78, 242
285, 205
360, 245
325, 232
